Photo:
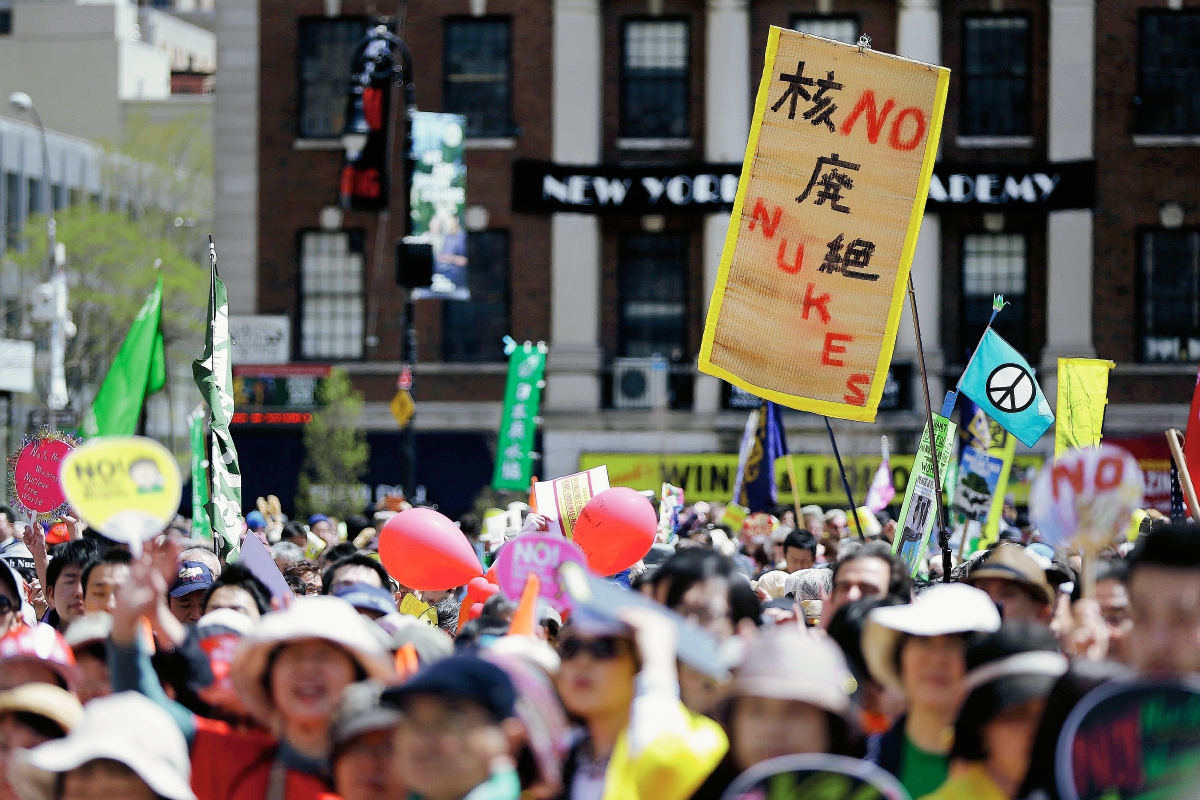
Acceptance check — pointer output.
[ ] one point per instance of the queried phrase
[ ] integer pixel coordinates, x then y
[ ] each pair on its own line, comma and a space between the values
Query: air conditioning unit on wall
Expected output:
640, 383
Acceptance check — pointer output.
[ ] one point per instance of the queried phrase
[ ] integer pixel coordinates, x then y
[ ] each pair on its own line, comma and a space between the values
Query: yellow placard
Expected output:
812, 278
413, 607
126, 487
1082, 397
710, 476
402, 408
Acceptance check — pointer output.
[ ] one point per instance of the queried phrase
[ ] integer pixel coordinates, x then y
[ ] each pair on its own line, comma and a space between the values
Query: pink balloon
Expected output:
424, 550
615, 530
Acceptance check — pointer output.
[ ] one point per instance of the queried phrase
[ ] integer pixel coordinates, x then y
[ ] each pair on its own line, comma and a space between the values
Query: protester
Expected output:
123, 747
304, 577
36, 654
919, 650
791, 695
370, 601
872, 571
237, 588
285, 554
357, 568
12, 547
1010, 674
1164, 602
814, 520
101, 578
1016, 582
447, 606
186, 598
13, 608
87, 637
878, 707
799, 551
30, 715
218, 635
64, 587
294, 534
1112, 600
361, 731
324, 529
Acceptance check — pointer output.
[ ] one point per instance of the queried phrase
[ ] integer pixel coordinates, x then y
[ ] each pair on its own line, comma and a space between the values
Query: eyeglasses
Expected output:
602, 649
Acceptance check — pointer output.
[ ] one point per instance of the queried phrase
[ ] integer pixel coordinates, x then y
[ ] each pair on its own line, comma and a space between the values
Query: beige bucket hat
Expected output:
327, 618
786, 663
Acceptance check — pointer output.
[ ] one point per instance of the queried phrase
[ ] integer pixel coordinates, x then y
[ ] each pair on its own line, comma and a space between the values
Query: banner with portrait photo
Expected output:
438, 200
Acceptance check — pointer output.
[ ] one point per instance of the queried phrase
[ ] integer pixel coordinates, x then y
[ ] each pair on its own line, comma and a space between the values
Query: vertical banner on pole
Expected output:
920, 503
522, 399
201, 525
812, 278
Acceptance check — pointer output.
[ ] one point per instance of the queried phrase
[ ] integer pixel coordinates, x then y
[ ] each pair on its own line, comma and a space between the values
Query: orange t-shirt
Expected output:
234, 765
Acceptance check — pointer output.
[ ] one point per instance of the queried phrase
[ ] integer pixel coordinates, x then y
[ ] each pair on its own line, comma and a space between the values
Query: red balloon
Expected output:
475, 612
615, 530
475, 586
486, 592
424, 550
491, 575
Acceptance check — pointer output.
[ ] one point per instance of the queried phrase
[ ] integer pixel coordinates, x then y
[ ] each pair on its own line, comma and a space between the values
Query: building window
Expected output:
37, 202
478, 74
1168, 98
326, 48
652, 296
992, 264
5, 17
331, 299
996, 91
473, 330
1170, 294
654, 79
58, 196
840, 29
13, 218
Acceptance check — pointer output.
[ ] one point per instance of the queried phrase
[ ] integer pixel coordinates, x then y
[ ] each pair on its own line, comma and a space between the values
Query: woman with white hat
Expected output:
289, 672
31, 715
919, 651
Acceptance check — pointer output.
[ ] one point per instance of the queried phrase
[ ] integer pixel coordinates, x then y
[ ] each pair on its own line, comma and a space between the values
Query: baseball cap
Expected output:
194, 576
461, 678
366, 597
1010, 562
315, 518
255, 521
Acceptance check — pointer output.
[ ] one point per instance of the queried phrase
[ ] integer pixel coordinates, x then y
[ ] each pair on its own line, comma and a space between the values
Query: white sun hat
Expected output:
943, 609
126, 727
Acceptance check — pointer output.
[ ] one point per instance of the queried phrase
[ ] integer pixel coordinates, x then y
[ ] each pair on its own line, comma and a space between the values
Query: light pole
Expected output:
57, 398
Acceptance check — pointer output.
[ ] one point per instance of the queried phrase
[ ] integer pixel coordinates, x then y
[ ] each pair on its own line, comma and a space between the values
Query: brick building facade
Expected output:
1097, 258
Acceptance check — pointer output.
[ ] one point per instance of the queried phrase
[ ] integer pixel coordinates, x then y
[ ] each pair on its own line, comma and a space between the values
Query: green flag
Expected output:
201, 527
139, 369
213, 372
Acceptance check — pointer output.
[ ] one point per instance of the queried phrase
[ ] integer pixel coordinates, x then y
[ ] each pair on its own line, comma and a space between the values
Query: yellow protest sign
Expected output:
812, 277
1082, 396
412, 607
126, 487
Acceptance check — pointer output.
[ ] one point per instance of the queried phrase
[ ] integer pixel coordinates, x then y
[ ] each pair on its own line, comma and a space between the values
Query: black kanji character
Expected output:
833, 259
795, 90
832, 182
823, 106
858, 257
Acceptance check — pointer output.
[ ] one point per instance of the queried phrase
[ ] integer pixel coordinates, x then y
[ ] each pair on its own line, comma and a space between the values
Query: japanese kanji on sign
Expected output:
813, 274
522, 400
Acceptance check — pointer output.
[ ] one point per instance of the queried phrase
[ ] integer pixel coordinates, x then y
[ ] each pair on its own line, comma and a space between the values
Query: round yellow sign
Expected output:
126, 487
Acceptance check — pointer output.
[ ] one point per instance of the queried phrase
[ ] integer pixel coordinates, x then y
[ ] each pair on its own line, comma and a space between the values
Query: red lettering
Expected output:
769, 221
894, 139
832, 348
875, 120
819, 303
373, 107
1109, 473
1073, 475
781, 256
856, 396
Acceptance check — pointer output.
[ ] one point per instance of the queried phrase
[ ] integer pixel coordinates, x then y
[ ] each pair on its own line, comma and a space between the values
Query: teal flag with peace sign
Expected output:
1002, 383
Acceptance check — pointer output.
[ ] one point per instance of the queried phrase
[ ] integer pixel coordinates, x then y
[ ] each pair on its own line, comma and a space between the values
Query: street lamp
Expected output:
57, 398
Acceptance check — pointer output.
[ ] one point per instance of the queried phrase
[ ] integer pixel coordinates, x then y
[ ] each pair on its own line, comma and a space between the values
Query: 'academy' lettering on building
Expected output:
1043, 186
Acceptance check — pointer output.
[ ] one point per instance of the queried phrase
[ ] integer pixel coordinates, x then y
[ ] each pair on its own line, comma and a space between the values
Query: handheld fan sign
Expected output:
126, 487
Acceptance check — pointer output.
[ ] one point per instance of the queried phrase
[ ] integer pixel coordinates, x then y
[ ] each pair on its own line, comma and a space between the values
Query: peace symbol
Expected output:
1010, 388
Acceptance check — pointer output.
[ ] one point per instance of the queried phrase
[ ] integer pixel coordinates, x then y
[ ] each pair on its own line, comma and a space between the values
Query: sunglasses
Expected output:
602, 649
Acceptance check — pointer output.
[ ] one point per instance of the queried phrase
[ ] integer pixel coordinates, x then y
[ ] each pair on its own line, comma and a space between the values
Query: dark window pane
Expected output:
840, 29
654, 79
13, 218
1170, 297
331, 295
37, 201
994, 264
652, 296
995, 76
478, 74
473, 330
5, 21
1168, 100
326, 48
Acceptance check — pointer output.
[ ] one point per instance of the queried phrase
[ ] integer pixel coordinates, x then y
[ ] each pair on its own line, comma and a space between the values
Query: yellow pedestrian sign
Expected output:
402, 408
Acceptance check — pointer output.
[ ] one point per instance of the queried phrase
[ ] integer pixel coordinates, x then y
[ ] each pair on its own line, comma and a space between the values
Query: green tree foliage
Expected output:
337, 452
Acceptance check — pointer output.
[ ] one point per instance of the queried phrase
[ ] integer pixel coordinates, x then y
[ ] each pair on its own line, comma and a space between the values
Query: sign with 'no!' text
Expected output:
813, 274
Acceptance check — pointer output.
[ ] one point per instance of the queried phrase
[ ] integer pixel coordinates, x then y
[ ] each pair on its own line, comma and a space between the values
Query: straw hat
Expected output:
1010, 562
329, 619
55, 704
942, 609
786, 663
127, 728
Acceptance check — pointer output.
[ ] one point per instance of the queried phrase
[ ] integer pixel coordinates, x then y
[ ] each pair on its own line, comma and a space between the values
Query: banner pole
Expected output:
1185, 478
845, 483
943, 539
795, 494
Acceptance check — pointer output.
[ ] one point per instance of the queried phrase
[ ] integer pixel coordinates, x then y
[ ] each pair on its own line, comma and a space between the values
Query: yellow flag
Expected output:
1082, 396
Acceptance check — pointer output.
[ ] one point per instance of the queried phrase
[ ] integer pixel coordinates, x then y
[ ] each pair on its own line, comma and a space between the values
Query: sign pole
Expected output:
795, 492
845, 483
943, 539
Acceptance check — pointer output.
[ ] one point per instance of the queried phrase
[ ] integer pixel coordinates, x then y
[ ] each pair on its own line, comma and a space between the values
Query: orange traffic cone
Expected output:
524, 620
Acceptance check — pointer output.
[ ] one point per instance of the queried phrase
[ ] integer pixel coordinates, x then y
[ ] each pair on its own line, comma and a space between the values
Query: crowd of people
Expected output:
176, 674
